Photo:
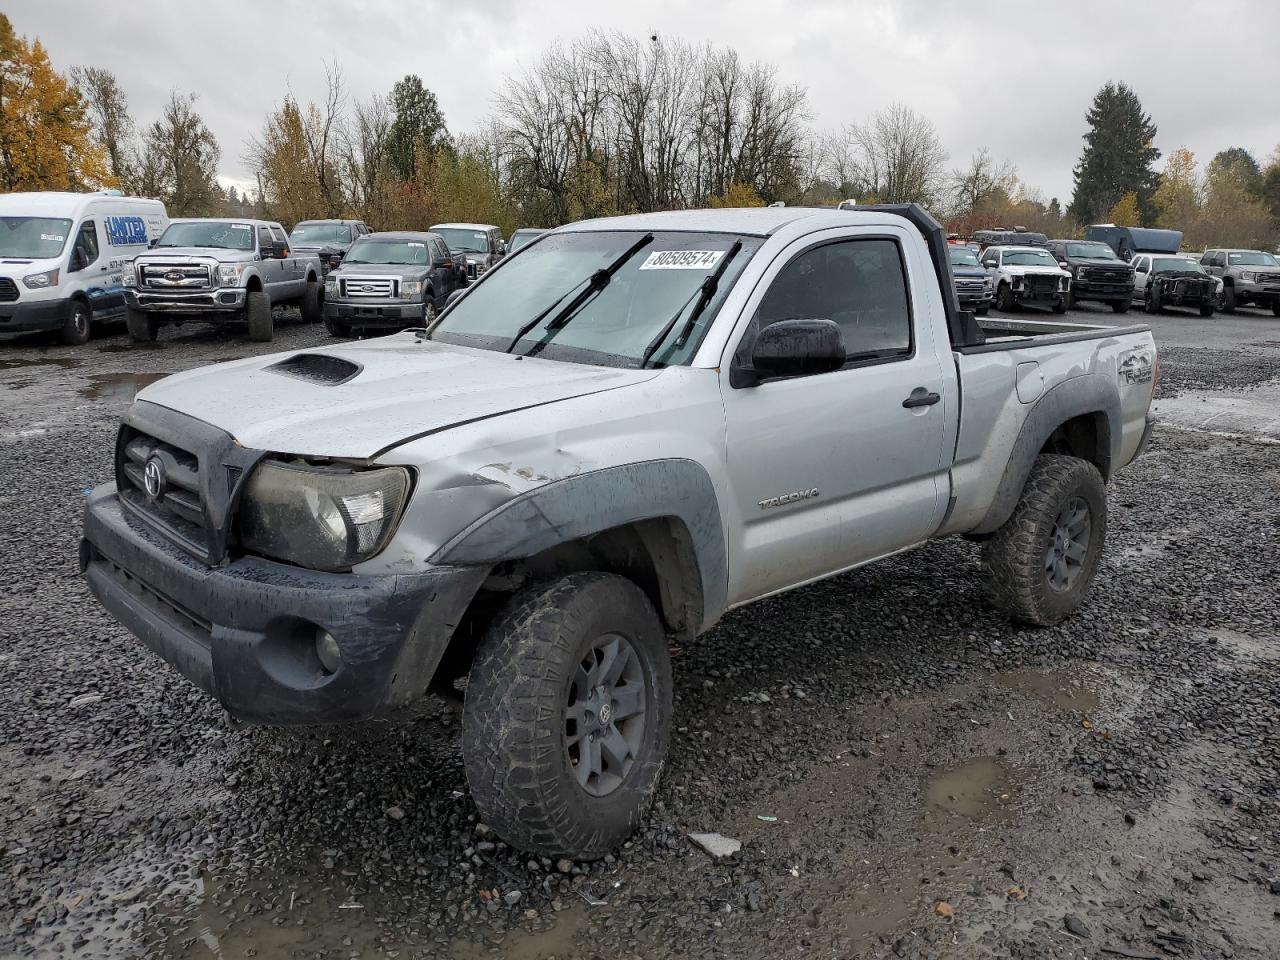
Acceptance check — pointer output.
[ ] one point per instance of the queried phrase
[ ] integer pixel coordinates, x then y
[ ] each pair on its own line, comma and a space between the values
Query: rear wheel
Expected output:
567, 714
1039, 565
142, 328
257, 311
312, 308
75, 330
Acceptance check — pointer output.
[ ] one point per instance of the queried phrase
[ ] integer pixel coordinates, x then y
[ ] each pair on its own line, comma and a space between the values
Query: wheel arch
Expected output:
1079, 417
253, 283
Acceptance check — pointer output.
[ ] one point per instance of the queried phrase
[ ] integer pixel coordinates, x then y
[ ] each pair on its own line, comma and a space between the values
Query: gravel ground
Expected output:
909, 774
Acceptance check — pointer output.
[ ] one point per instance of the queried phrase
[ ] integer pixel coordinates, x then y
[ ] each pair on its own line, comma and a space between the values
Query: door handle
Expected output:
920, 397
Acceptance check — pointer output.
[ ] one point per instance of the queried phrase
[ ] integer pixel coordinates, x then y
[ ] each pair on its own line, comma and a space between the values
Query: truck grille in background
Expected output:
1041, 286
175, 276
8, 290
179, 509
472, 268
1105, 274
969, 286
1262, 278
373, 288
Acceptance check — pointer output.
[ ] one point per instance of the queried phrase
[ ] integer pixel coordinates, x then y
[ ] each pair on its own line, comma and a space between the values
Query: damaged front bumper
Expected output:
246, 632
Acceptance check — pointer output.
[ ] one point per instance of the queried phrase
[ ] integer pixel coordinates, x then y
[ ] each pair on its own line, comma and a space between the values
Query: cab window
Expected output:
265, 242
861, 285
85, 251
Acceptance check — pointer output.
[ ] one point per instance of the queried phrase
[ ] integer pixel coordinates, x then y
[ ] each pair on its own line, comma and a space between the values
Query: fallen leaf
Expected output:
944, 909
1086, 724
1016, 893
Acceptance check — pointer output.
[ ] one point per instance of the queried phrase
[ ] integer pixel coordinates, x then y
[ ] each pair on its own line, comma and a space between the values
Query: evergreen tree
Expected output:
418, 122
1119, 151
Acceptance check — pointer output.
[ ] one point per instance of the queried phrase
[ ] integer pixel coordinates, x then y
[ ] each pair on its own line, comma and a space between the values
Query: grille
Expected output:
178, 508
1106, 274
372, 288
1041, 284
175, 276
8, 290
1262, 278
472, 268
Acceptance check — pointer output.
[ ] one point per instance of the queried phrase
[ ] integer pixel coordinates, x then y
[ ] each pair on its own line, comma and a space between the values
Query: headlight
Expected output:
331, 287
229, 274
1063, 283
411, 288
324, 518
42, 281
1248, 276
128, 277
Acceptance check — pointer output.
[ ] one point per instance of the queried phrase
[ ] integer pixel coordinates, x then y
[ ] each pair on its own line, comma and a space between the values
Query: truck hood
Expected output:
221, 254
371, 396
379, 270
969, 272
1019, 271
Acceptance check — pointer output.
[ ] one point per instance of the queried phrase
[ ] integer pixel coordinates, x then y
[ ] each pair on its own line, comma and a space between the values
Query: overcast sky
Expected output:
1015, 77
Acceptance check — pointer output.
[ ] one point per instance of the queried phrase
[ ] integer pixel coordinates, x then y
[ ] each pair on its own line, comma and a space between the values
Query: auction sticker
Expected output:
682, 259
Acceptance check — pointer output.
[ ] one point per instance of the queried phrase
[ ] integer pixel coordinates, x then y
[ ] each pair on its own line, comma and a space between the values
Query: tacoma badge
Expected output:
789, 498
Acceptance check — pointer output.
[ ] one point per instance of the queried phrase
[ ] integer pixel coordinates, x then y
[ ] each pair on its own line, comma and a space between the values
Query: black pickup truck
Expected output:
1096, 273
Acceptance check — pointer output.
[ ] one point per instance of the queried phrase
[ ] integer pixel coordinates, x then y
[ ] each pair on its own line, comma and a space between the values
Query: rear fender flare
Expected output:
1089, 394
579, 506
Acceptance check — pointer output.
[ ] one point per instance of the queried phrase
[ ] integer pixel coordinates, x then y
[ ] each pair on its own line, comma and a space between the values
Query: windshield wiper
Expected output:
595, 283
705, 291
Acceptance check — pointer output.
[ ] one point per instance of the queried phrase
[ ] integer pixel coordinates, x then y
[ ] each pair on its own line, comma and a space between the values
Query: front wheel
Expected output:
1227, 302
1038, 566
142, 328
1275, 308
567, 714
1151, 303
1120, 306
75, 330
336, 327
1206, 310
257, 311
1060, 305
1004, 298
983, 311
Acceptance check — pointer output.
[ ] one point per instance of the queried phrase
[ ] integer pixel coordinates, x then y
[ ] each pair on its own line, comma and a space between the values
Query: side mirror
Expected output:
456, 295
794, 348
152, 242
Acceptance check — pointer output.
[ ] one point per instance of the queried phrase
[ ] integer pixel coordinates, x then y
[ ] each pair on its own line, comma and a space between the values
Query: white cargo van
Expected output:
61, 255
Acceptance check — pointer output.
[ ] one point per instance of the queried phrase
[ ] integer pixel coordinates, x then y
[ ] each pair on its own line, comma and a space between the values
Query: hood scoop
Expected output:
317, 368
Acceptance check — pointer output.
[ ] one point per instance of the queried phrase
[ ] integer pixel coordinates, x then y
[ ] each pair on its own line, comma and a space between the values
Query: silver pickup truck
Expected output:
220, 271
616, 436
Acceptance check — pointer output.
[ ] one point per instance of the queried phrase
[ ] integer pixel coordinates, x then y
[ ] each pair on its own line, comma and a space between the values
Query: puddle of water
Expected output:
1247, 647
118, 386
130, 347
16, 363
979, 789
1057, 687
554, 942
1256, 412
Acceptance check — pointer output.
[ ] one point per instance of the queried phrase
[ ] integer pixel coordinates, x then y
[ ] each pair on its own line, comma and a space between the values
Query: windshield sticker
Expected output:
413, 243
51, 238
682, 259
240, 226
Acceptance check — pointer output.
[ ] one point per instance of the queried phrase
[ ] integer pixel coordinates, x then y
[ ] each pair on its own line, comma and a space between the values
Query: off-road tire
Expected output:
982, 311
1013, 560
1206, 310
76, 328
1004, 299
1060, 305
1120, 306
1071, 300
257, 312
142, 328
513, 719
311, 305
337, 328
1275, 308
1228, 299
1152, 303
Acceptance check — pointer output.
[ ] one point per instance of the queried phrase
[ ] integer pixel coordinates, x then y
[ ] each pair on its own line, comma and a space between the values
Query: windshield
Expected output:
320, 233
208, 233
1252, 258
461, 240
32, 238
1174, 265
1093, 251
962, 257
1028, 258
387, 251
521, 237
615, 326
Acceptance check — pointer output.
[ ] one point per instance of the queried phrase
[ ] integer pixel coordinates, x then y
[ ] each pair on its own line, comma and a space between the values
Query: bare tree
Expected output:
895, 157
984, 178
113, 126
180, 160
363, 160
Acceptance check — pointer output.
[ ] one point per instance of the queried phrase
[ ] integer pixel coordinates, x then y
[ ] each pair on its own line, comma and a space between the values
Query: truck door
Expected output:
271, 263
292, 271
834, 469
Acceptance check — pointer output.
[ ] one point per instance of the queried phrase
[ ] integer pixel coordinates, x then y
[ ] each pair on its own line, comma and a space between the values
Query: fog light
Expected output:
327, 651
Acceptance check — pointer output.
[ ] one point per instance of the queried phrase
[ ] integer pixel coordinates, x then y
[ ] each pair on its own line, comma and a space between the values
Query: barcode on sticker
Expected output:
682, 259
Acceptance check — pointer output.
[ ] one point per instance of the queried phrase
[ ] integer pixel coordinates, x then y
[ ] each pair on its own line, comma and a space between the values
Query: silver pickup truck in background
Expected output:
220, 271
616, 436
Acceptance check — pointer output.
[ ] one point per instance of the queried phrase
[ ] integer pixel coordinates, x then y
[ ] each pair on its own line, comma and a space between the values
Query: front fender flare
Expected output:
1093, 393
579, 506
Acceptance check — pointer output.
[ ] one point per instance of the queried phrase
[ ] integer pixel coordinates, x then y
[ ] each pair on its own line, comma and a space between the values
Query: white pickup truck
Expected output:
624, 430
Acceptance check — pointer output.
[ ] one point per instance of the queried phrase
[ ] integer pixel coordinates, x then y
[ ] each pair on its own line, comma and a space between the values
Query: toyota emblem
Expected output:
153, 478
